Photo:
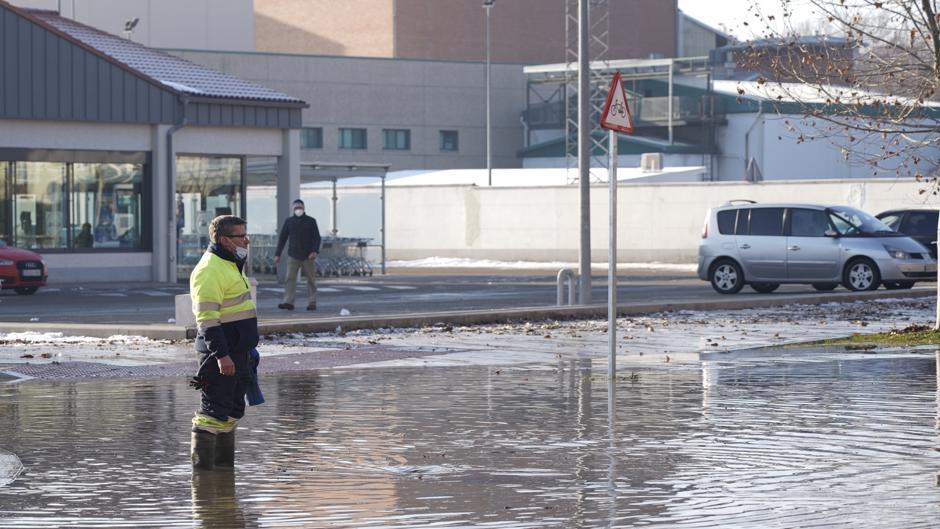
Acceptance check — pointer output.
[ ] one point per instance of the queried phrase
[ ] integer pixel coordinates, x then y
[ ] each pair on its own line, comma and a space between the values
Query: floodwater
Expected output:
808, 440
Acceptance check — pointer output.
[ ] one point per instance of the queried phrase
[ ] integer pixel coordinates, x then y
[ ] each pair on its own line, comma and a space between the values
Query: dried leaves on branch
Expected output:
861, 73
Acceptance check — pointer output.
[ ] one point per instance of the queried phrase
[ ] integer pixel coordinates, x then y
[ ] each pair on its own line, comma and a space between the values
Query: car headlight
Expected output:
895, 253
6, 262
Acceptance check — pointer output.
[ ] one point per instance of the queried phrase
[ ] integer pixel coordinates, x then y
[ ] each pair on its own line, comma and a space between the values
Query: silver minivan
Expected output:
764, 245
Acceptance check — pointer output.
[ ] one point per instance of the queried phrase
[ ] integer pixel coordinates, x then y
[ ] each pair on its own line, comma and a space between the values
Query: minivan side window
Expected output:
766, 221
726, 220
808, 223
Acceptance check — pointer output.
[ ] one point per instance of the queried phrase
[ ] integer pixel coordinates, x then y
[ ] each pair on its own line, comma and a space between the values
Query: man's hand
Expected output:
277, 260
312, 256
226, 366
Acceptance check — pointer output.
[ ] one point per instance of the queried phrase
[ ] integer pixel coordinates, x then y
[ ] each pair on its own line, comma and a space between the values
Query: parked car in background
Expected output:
765, 245
918, 224
22, 270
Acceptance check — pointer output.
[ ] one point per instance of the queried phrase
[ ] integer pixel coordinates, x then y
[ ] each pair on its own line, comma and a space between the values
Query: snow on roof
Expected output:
805, 93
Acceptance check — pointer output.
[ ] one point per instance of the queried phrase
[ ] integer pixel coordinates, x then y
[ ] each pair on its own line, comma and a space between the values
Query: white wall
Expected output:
223, 25
657, 222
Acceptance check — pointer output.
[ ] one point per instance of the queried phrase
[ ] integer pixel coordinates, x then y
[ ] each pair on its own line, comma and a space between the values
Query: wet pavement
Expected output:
504, 426
796, 438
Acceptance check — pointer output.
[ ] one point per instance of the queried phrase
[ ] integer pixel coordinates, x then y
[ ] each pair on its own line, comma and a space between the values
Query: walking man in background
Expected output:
227, 330
302, 236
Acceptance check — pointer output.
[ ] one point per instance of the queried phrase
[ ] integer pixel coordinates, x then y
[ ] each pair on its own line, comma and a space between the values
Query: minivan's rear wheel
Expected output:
861, 274
825, 287
25, 291
726, 277
898, 285
765, 288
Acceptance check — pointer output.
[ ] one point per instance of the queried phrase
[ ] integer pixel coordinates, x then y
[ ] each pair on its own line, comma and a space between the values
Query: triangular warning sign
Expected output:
616, 115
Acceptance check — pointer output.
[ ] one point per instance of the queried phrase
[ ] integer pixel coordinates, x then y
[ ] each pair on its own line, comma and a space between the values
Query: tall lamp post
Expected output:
488, 6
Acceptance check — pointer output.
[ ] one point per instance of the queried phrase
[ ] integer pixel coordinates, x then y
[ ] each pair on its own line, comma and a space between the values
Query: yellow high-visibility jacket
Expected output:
226, 319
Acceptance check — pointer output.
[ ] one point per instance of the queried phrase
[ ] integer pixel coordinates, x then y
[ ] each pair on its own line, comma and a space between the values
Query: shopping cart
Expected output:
343, 256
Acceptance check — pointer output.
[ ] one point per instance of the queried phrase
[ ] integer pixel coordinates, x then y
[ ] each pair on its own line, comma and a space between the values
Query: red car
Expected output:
22, 270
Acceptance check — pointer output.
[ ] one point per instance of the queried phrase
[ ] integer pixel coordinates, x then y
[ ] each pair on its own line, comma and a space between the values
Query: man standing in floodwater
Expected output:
227, 330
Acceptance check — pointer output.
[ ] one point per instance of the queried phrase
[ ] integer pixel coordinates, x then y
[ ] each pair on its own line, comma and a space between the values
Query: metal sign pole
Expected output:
612, 259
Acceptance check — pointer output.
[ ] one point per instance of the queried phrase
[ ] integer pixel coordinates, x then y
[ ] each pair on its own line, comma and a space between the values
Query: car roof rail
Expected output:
734, 201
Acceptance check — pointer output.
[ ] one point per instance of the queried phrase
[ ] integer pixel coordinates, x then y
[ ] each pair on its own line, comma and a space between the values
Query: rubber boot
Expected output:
225, 449
203, 452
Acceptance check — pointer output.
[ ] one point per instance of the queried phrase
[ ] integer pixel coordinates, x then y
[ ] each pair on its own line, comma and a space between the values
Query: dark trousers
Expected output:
224, 396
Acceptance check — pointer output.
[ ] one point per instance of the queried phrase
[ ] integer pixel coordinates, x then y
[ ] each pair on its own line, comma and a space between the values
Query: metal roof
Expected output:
176, 74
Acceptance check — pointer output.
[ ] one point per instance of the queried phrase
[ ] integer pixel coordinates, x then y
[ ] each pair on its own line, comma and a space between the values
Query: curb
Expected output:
467, 317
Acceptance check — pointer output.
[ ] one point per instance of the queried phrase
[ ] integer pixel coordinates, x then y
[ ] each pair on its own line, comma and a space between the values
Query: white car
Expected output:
765, 245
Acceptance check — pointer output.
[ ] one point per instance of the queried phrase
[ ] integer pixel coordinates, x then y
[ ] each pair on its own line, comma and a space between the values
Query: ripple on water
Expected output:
776, 443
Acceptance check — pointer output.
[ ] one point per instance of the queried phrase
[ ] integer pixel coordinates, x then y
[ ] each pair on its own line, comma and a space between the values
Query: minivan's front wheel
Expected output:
726, 277
861, 274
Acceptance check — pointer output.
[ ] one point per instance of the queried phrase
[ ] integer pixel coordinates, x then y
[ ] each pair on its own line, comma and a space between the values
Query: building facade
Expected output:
114, 156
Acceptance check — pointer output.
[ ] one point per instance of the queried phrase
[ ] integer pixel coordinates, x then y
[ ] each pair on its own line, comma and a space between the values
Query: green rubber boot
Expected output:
225, 449
203, 450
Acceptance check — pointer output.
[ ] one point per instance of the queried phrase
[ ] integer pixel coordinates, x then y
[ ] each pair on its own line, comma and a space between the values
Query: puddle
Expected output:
798, 441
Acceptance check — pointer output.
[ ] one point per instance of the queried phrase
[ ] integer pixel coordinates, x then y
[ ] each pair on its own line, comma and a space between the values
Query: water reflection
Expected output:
769, 443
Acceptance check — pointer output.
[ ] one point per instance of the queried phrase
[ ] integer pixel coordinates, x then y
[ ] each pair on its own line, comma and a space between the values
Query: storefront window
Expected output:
106, 205
205, 188
39, 205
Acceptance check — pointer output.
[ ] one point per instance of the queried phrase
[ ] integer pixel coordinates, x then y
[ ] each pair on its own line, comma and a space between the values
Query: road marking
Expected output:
328, 289
114, 294
154, 293
401, 287
362, 289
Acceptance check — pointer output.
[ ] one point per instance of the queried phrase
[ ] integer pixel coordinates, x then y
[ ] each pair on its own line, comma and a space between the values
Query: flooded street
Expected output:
804, 438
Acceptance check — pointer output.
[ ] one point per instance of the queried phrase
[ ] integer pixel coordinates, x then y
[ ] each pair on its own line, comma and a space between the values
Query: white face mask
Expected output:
299, 212
241, 253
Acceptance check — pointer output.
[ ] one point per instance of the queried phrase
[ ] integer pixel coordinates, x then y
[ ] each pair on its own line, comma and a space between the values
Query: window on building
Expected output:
448, 140
39, 205
352, 139
311, 138
105, 205
64, 205
397, 139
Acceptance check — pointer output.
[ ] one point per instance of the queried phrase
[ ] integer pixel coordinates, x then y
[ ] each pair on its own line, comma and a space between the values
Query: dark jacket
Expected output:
301, 236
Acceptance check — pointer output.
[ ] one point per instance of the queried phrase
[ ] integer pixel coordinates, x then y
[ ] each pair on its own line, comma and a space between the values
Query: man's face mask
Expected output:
241, 253
298, 212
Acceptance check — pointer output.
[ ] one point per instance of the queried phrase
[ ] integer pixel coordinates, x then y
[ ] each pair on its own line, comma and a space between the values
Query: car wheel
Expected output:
765, 288
861, 274
25, 291
726, 277
825, 287
898, 285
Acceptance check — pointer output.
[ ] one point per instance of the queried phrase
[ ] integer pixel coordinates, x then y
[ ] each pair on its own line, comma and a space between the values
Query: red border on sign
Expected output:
610, 98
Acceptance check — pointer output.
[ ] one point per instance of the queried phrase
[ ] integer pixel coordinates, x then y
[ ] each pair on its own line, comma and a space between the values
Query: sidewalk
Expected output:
666, 337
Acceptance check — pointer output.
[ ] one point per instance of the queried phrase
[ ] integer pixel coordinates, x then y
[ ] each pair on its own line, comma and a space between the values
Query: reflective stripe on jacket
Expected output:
221, 299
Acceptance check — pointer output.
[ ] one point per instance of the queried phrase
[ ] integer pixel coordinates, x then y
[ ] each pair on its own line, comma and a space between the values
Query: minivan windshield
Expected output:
850, 221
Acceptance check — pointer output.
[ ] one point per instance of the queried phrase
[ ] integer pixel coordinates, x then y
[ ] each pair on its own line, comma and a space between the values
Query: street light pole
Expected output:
488, 6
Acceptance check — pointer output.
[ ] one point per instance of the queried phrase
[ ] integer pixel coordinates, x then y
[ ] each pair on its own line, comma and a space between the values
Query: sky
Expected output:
730, 15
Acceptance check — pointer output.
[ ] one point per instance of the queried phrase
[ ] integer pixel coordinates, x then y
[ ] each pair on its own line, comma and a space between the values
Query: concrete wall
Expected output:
422, 96
199, 24
660, 222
